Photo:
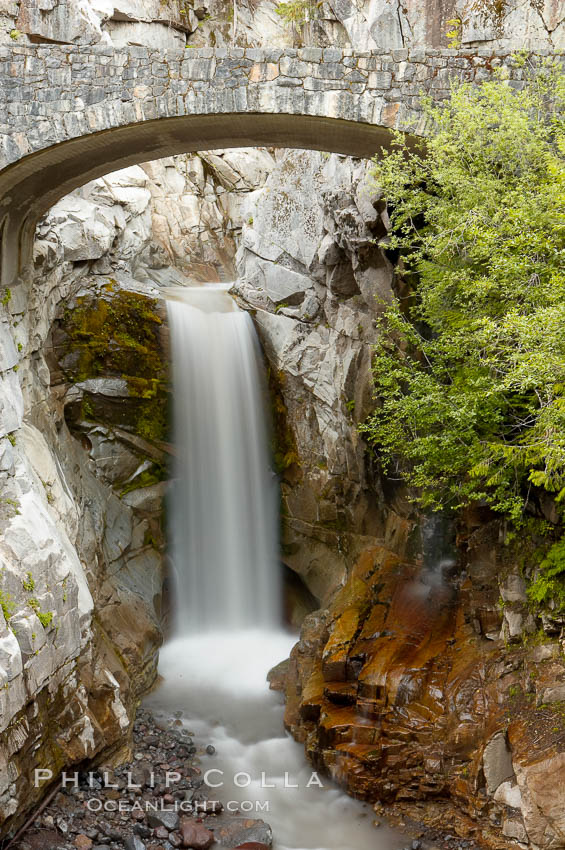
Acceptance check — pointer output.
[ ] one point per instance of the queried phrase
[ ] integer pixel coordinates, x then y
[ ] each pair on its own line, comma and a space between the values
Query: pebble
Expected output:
83, 842
170, 820
210, 750
161, 832
142, 830
134, 842
196, 836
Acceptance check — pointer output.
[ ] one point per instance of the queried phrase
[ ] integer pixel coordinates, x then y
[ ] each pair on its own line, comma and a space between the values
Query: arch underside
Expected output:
33, 184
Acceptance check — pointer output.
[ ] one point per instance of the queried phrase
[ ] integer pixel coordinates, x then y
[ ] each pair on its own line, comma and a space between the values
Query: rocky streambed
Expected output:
157, 801
160, 800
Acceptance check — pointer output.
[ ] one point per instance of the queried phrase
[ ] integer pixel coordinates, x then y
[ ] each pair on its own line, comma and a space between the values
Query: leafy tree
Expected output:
469, 366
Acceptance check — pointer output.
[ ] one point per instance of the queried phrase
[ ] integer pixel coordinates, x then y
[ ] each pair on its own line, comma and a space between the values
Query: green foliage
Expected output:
44, 617
454, 33
297, 12
549, 584
28, 582
469, 367
6, 298
7, 605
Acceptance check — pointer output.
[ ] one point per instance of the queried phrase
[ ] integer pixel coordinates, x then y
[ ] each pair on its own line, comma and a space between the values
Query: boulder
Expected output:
497, 762
235, 831
509, 794
513, 589
542, 784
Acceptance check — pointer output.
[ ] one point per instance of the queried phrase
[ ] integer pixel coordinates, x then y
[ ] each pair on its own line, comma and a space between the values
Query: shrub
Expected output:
469, 365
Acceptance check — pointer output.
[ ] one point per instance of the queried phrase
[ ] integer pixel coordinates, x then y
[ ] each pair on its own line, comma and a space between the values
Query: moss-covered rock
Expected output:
116, 333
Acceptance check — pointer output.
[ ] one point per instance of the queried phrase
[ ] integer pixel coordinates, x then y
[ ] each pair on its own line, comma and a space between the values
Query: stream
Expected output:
227, 593
218, 679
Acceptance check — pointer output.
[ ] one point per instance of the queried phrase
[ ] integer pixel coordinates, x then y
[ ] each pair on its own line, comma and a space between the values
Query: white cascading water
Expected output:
227, 598
224, 509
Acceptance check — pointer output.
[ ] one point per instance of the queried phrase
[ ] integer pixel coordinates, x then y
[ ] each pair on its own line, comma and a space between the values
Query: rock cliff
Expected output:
80, 548
510, 24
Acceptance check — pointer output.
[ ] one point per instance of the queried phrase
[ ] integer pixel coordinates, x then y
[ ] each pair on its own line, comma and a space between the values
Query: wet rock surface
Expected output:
156, 801
407, 692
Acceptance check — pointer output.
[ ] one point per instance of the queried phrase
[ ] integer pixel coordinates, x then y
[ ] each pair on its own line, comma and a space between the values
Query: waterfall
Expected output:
223, 512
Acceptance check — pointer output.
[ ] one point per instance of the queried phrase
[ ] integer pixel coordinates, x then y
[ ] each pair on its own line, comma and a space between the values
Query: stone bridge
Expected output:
72, 114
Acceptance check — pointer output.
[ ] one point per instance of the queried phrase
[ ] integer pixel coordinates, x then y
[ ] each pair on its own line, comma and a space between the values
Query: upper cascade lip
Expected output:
208, 297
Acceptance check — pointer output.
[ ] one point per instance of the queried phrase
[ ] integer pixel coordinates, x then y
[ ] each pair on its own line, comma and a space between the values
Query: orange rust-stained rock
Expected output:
399, 686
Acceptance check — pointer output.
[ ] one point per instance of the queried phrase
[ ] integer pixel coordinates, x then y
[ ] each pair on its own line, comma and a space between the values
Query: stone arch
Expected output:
29, 187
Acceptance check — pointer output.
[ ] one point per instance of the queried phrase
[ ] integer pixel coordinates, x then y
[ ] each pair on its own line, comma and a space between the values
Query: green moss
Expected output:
5, 300
12, 438
117, 335
145, 479
12, 503
152, 420
284, 450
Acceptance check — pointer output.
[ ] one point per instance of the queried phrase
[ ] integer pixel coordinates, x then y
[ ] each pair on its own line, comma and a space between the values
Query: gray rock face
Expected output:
364, 25
514, 589
309, 270
497, 762
199, 205
80, 577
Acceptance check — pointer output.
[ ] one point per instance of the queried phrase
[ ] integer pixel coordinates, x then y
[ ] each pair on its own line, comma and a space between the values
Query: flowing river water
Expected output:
227, 594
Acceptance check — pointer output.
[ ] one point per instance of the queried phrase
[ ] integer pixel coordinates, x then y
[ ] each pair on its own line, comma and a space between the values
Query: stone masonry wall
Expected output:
53, 94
